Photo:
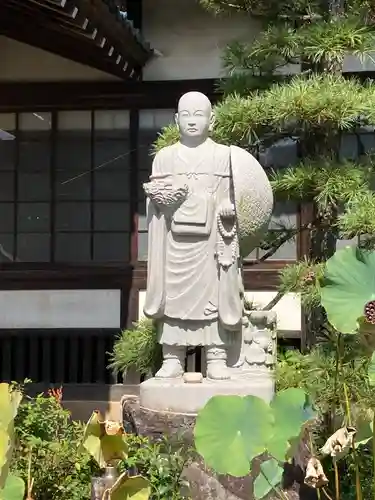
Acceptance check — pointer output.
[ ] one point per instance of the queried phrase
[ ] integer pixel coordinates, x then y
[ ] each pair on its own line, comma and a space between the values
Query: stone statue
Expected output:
207, 205
258, 350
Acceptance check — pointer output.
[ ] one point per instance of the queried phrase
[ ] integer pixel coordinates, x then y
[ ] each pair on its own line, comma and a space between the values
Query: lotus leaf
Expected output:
135, 488
104, 440
291, 412
364, 426
231, 431
9, 403
348, 285
14, 489
270, 476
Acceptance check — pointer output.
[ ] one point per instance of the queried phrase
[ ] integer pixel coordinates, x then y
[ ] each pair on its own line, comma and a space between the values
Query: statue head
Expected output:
194, 117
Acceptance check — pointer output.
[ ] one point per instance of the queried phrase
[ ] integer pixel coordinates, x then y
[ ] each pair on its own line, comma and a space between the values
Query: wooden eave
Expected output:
90, 32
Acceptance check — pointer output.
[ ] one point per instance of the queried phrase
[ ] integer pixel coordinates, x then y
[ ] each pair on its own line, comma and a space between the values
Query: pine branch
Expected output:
303, 278
244, 83
265, 9
307, 106
291, 234
291, 10
274, 301
324, 43
358, 217
325, 181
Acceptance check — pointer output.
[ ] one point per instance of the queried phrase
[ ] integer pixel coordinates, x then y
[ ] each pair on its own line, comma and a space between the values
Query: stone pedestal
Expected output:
175, 395
204, 483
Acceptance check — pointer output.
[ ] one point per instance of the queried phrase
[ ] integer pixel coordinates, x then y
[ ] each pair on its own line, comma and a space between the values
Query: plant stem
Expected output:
373, 454
313, 454
278, 491
337, 367
355, 456
348, 419
337, 482
326, 494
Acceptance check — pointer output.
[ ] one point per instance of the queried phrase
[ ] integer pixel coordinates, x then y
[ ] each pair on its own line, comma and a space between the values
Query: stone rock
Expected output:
204, 483
193, 378
174, 395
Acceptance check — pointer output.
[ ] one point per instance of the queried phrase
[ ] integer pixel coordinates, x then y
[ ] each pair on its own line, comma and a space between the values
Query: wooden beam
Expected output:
116, 33
53, 39
52, 18
88, 95
37, 8
75, 21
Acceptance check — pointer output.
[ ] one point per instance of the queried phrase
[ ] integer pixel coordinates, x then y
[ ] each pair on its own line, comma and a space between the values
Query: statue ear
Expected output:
176, 119
212, 122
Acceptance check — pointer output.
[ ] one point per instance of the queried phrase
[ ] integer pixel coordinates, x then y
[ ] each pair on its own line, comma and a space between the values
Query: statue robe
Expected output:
197, 300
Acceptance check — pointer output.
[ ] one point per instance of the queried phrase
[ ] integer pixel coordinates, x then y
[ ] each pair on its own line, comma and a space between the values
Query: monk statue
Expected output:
207, 205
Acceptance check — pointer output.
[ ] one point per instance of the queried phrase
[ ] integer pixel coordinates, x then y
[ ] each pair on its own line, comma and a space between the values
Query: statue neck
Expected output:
193, 142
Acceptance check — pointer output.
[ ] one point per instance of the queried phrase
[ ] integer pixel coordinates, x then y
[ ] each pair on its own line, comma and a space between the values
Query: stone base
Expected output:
204, 483
175, 395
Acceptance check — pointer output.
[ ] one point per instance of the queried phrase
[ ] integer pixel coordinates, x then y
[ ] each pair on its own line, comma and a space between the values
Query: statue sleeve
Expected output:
157, 234
230, 278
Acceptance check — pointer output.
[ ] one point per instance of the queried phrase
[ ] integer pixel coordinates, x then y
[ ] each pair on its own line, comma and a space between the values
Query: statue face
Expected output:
194, 117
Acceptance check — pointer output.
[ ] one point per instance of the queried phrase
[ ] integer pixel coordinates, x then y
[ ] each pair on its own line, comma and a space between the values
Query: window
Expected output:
280, 155
150, 124
64, 193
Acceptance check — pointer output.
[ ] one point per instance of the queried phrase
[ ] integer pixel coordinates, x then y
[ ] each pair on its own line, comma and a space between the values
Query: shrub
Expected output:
138, 349
162, 463
48, 452
60, 470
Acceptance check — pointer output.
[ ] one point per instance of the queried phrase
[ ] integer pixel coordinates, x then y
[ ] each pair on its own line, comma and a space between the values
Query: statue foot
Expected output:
216, 358
173, 362
218, 372
170, 370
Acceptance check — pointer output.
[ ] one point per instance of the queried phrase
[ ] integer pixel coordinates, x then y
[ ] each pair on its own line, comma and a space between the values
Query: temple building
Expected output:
85, 87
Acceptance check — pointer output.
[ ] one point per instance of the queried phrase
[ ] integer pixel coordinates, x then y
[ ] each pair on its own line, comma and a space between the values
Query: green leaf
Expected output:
135, 488
349, 283
14, 489
270, 477
371, 370
102, 447
4, 446
231, 431
364, 432
9, 403
291, 412
278, 447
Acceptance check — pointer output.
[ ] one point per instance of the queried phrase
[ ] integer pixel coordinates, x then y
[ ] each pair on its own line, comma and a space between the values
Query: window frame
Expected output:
54, 202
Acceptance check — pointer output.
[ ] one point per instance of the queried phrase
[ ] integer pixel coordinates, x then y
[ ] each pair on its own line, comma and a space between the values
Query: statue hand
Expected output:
227, 211
263, 319
164, 194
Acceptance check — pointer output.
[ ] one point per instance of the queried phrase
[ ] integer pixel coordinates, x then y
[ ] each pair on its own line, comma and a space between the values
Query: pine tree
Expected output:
316, 108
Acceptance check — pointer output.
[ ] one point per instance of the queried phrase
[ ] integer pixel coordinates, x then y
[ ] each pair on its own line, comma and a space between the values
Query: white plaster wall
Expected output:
190, 39
353, 63
60, 309
288, 310
20, 62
